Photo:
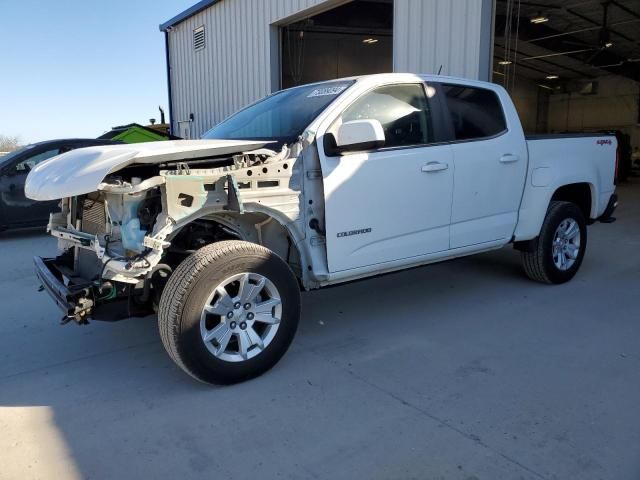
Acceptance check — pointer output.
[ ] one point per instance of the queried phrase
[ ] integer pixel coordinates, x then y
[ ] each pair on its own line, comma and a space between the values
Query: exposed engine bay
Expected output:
122, 241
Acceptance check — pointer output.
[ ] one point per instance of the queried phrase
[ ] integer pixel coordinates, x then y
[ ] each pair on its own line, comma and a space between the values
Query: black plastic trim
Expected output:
567, 135
52, 283
607, 217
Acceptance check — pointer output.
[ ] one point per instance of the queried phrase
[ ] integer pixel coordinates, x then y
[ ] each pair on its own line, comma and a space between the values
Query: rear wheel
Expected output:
229, 312
556, 255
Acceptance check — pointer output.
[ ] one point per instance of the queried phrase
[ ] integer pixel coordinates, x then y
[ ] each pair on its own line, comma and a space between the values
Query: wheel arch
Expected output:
582, 194
263, 226
536, 201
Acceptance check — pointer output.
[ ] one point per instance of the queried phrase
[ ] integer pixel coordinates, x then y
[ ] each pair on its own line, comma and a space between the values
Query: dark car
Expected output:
16, 210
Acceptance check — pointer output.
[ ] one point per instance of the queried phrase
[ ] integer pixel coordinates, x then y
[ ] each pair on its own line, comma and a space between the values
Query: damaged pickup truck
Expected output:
311, 186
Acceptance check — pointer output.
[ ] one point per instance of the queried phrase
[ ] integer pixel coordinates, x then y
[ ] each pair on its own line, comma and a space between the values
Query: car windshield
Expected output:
281, 117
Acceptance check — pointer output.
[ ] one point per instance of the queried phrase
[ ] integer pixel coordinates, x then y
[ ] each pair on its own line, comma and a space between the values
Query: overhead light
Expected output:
498, 73
505, 62
552, 77
539, 19
544, 86
370, 41
608, 45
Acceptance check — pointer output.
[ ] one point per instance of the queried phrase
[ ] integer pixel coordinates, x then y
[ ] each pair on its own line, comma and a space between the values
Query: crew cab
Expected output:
311, 186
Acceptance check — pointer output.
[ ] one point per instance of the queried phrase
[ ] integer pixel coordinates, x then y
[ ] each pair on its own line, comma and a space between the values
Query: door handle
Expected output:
509, 158
434, 167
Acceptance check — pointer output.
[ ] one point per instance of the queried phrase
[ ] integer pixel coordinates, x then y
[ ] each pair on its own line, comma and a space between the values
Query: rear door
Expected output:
490, 160
392, 203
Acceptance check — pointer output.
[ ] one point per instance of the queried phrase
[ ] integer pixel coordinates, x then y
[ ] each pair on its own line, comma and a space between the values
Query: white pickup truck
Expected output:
311, 186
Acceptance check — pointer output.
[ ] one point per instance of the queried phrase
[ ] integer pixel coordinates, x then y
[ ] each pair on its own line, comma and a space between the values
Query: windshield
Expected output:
281, 117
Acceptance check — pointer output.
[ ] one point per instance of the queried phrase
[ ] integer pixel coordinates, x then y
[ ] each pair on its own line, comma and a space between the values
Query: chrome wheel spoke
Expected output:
267, 318
244, 285
244, 343
218, 333
267, 306
223, 305
217, 309
572, 251
572, 230
254, 338
249, 292
223, 342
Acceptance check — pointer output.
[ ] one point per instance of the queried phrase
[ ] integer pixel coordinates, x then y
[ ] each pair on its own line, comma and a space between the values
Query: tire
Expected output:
185, 326
540, 260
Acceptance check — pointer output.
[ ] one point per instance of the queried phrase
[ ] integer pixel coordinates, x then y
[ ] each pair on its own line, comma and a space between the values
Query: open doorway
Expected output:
353, 39
573, 68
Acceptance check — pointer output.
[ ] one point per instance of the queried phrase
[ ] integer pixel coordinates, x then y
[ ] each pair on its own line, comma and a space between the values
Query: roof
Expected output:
189, 12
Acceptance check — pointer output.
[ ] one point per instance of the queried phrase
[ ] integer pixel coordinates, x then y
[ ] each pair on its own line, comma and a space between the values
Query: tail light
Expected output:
615, 175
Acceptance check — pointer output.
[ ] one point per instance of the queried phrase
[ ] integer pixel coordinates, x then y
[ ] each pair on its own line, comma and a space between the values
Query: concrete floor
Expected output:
462, 370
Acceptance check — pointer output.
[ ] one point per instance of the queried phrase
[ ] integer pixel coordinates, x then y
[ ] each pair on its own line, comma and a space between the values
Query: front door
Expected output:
17, 209
393, 203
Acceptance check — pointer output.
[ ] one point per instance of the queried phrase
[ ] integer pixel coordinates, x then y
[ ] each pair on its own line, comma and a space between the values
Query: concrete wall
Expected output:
240, 63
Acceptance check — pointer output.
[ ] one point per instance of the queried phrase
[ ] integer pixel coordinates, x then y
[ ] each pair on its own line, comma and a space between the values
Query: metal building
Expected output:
225, 54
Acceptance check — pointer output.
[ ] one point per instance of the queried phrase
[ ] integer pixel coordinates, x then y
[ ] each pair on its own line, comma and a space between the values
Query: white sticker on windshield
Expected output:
322, 92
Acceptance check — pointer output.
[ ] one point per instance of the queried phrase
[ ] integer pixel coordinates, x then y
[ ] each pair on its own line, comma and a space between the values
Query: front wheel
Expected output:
229, 312
556, 255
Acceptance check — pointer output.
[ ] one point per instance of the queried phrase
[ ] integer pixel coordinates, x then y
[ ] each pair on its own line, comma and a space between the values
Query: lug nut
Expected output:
237, 305
230, 315
247, 306
243, 325
250, 316
233, 325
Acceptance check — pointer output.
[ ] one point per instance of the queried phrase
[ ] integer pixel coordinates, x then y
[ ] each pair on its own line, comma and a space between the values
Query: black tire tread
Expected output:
179, 286
533, 260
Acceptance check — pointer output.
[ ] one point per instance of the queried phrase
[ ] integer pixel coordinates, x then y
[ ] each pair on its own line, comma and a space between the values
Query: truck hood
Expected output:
81, 171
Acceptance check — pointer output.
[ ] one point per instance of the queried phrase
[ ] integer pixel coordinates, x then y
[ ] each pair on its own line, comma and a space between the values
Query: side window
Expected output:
28, 163
402, 110
475, 112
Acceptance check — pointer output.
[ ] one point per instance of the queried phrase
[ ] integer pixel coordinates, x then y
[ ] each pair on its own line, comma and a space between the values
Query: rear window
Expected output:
476, 113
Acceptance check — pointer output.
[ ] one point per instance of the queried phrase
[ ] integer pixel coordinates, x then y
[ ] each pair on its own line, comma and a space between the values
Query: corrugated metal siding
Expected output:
433, 33
234, 69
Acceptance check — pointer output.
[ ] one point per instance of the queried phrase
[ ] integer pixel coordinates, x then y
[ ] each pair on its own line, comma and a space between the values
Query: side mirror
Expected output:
359, 135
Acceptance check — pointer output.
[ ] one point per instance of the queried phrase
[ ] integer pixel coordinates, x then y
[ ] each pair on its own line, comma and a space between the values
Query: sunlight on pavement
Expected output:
32, 446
